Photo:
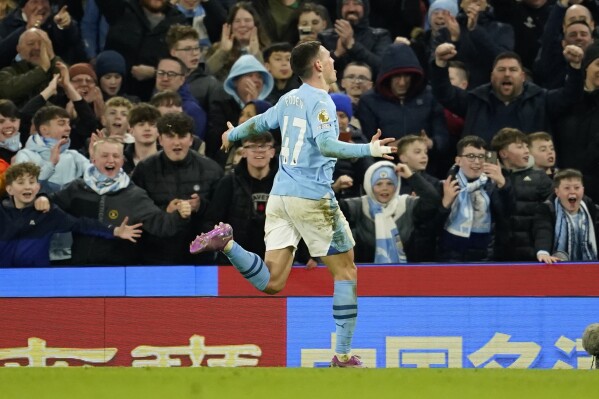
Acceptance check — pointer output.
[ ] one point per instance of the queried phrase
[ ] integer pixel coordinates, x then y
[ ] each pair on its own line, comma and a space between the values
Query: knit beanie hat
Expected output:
343, 103
447, 5
110, 61
82, 69
590, 55
384, 172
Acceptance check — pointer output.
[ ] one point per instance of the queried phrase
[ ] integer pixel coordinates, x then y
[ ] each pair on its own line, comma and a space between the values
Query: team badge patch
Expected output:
113, 214
323, 116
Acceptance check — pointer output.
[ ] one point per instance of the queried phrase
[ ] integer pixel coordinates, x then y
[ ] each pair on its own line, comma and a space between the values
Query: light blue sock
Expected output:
345, 312
250, 265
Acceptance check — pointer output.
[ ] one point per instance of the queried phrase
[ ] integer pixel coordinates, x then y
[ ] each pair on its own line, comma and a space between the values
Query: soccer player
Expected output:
302, 203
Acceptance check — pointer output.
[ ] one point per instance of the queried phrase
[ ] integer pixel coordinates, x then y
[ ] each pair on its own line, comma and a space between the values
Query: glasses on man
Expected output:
189, 49
83, 81
258, 147
474, 157
357, 79
167, 74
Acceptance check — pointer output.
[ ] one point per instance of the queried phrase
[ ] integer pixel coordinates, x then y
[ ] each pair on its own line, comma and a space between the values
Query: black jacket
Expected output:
576, 139
165, 180
111, 208
370, 43
514, 240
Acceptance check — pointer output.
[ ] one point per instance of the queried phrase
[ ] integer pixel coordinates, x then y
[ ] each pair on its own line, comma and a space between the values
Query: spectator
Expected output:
105, 193
531, 187
206, 18
24, 79
49, 149
508, 100
240, 197
527, 18
142, 124
111, 71
382, 220
576, 132
550, 68
85, 81
276, 60
349, 173
479, 37
183, 44
172, 176
413, 152
566, 224
62, 31
170, 75
357, 80
248, 80
312, 19
402, 103
241, 34
94, 29
10, 121
137, 31
543, 152
115, 120
26, 233
478, 196
352, 39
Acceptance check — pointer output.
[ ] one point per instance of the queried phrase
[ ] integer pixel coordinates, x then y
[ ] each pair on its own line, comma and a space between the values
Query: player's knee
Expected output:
274, 286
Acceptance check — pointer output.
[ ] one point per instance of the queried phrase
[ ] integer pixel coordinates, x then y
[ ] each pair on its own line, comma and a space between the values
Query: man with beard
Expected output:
137, 30
508, 100
352, 39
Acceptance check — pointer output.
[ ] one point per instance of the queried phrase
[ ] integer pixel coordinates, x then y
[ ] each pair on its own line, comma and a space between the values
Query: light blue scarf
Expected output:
388, 245
576, 240
103, 184
12, 143
49, 142
470, 212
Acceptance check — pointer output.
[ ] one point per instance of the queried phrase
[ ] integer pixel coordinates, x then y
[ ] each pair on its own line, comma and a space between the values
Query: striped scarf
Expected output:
578, 241
103, 184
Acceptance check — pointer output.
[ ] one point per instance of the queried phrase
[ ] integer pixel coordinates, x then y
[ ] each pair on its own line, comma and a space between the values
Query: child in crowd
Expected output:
566, 224
542, 149
114, 119
276, 60
413, 151
142, 121
26, 233
382, 220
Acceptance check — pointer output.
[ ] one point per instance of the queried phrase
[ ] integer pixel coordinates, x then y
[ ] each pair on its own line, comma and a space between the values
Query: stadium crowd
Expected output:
117, 108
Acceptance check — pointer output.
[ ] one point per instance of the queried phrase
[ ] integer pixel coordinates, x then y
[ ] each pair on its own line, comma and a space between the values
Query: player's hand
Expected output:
403, 171
379, 147
311, 264
226, 144
42, 204
128, 232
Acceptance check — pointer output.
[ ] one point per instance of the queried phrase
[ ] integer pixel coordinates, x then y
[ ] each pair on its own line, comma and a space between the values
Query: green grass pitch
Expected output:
283, 383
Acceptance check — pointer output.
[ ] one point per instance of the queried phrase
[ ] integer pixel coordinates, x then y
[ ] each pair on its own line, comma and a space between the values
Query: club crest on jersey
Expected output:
323, 116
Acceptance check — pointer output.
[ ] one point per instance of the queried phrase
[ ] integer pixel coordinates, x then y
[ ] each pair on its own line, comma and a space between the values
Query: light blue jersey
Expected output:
307, 118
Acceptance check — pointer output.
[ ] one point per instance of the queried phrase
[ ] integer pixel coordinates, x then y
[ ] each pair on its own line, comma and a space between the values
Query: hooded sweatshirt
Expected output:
244, 65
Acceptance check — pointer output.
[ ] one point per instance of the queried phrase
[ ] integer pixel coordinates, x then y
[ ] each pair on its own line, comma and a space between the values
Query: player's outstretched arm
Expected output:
379, 147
